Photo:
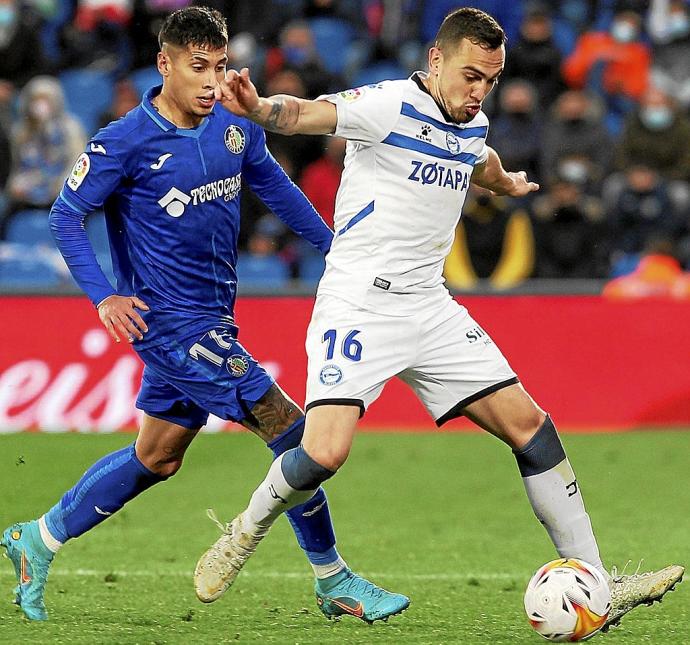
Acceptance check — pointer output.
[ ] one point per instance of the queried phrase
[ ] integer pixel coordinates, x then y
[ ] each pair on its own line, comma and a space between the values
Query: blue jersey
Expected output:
171, 197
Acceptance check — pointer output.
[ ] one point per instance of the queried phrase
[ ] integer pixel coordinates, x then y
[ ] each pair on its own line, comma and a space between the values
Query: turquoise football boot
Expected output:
31, 560
347, 594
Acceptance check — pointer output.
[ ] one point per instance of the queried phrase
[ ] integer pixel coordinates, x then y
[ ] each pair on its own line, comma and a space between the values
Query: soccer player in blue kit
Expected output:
168, 176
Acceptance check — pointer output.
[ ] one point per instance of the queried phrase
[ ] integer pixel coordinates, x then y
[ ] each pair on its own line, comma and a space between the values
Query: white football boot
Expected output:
220, 565
627, 592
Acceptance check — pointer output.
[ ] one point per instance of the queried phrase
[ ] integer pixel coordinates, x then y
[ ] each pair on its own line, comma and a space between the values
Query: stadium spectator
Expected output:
125, 98
45, 141
658, 275
98, 36
21, 52
300, 149
575, 128
518, 128
297, 51
493, 242
535, 55
569, 232
620, 52
615, 64
321, 178
640, 211
656, 134
669, 27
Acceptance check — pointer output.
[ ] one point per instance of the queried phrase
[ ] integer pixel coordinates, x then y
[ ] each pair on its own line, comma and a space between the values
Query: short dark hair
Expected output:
199, 26
475, 25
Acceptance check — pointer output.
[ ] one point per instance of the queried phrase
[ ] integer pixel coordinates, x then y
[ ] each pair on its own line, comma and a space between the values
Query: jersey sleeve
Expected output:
95, 175
367, 114
483, 152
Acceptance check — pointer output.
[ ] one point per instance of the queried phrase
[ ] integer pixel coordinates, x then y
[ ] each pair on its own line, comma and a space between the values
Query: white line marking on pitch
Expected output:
287, 574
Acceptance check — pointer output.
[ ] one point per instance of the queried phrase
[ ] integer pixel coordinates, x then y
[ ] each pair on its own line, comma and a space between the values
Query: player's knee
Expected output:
330, 456
524, 426
161, 463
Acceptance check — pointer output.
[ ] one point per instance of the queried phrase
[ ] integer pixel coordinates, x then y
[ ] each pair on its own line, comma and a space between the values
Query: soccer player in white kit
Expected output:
382, 309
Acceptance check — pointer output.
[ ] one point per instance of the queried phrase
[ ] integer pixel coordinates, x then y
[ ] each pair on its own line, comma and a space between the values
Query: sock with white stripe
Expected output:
102, 491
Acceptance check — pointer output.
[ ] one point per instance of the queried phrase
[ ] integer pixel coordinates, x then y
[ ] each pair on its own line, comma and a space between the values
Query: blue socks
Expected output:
310, 521
102, 491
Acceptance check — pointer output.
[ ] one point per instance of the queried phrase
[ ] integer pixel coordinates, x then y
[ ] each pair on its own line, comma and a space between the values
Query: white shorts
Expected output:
440, 352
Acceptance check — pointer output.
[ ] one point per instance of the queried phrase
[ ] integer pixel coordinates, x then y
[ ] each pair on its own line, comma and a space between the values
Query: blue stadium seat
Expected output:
21, 268
145, 78
29, 227
311, 267
377, 72
88, 94
332, 37
264, 273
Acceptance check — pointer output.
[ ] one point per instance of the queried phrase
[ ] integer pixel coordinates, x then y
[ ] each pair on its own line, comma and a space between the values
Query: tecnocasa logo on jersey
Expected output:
175, 201
436, 174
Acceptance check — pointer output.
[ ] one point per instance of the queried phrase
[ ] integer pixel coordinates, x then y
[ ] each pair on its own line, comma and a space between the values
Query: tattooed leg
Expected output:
279, 421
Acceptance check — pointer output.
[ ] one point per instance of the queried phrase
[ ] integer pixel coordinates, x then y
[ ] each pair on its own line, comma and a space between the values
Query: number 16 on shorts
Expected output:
347, 346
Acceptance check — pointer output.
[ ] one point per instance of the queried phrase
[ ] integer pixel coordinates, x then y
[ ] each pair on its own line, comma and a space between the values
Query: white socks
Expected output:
51, 543
557, 503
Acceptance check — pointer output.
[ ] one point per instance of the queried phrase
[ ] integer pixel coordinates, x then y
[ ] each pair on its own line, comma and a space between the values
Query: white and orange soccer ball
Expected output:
567, 600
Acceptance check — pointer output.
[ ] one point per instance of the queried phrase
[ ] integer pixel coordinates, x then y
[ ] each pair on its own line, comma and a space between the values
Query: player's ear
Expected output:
163, 63
435, 57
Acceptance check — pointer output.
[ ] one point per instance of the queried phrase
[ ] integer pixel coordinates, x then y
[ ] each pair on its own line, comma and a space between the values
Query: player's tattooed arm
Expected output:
272, 414
279, 113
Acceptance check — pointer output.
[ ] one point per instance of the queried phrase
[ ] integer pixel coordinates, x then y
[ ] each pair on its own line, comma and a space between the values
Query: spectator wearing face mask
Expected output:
535, 55
669, 27
297, 51
518, 128
656, 135
569, 231
21, 52
639, 212
575, 128
616, 61
45, 143
493, 242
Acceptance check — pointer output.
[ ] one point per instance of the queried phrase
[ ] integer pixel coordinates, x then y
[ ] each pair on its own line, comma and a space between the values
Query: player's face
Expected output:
190, 76
461, 77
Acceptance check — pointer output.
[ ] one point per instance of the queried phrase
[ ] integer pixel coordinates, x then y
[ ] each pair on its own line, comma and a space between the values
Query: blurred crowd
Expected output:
594, 104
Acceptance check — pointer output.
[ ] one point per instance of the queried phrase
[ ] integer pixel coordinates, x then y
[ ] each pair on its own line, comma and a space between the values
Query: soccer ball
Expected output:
567, 600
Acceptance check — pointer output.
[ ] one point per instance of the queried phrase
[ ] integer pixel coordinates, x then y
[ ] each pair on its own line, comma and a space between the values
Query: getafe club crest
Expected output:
452, 143
237, 365
234, 139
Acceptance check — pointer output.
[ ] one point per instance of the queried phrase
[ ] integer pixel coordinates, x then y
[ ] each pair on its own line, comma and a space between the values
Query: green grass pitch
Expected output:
440, 517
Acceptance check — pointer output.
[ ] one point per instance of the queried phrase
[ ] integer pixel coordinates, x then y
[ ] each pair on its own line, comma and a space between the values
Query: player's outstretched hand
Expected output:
521, 186
119, 315
237, 93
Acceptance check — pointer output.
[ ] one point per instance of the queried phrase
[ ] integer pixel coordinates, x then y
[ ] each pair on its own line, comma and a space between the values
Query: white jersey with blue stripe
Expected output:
406, 175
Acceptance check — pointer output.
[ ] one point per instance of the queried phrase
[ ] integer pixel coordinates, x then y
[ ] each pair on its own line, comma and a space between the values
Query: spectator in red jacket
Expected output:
619, 55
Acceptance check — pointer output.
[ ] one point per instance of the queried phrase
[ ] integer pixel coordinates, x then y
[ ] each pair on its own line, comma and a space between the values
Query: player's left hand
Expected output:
521, 186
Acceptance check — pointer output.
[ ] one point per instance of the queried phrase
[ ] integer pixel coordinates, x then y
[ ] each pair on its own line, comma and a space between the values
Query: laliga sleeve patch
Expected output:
352, 95
79, 171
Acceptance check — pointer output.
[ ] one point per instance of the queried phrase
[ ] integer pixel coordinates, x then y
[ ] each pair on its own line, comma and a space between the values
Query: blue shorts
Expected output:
188, 378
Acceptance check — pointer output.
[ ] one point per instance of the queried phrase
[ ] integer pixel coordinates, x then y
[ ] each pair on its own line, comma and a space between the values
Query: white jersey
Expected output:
407, 171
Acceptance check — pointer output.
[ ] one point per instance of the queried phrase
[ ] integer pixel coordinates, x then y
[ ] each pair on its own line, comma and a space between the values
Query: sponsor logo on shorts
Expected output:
237, 365
478, 334
382, 284
234, 139
330, 374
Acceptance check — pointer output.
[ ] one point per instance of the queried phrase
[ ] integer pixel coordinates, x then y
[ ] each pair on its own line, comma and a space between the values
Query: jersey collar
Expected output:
162, 122
417, 78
